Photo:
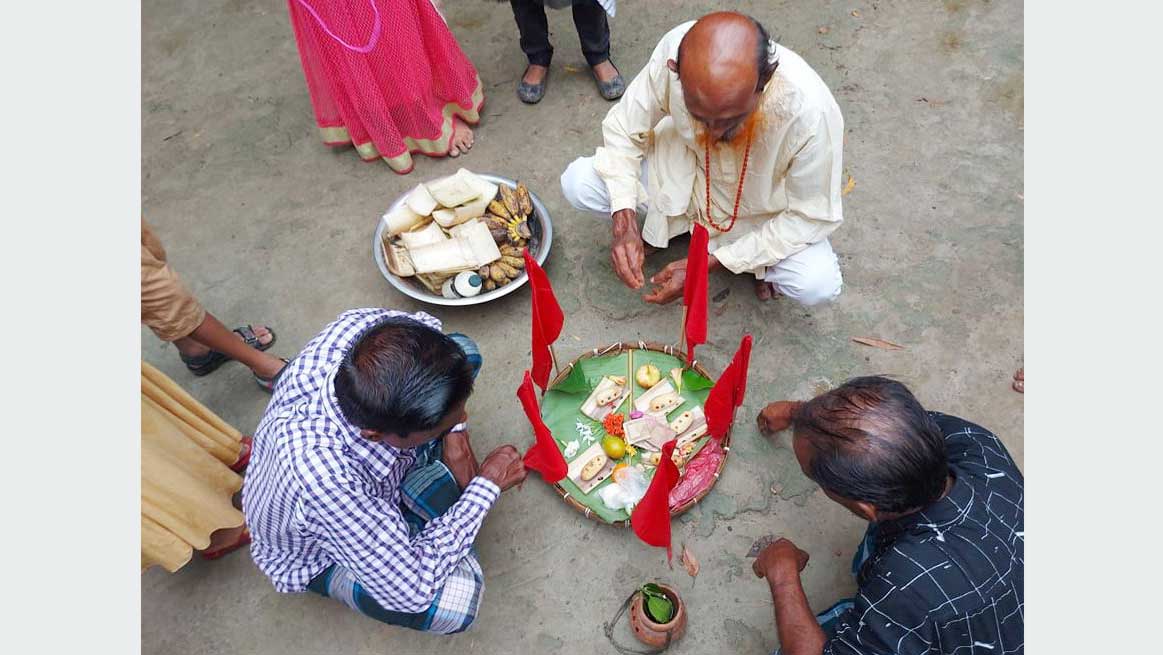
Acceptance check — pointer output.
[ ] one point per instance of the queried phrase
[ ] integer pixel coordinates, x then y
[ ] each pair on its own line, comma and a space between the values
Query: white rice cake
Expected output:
592, 409
472, 209
401, 219
456, 230
445, 217
484, 188
421, 201
447, 256
453, 190
480, 242
575, 468
427, 235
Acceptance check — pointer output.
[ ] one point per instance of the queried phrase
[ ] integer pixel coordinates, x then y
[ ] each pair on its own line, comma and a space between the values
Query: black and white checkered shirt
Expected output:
948, 579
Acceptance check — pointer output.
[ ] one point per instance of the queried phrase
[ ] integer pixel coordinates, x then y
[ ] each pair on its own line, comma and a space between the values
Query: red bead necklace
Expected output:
738, 191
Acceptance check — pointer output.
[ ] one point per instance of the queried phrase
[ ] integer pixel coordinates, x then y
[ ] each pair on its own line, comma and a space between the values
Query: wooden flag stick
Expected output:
553, 356
682, 335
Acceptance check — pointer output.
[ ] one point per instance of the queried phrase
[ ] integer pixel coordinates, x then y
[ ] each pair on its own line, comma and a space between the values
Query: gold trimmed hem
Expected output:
438, 147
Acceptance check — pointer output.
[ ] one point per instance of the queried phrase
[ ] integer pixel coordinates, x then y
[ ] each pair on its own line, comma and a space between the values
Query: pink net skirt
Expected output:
386, 76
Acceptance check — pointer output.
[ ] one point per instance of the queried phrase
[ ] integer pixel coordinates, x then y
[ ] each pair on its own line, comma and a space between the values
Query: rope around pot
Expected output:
608, 628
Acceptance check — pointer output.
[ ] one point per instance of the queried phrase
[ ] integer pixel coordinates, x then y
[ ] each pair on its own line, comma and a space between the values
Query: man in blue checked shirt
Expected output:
941, 568
362, 484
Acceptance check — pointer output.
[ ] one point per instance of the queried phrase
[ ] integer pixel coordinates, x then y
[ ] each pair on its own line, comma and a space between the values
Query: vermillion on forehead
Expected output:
717, 67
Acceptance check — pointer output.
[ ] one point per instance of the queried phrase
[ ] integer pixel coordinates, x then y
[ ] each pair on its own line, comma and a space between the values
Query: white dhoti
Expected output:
810, 276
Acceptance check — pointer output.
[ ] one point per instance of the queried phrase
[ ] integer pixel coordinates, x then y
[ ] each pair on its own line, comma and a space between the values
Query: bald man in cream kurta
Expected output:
652, 162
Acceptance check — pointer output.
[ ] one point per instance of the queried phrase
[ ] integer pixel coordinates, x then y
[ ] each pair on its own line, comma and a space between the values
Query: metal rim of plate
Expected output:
617, 349
542, 228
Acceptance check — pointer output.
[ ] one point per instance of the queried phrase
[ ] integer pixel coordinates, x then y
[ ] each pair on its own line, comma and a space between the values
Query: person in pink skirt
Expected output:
388, 77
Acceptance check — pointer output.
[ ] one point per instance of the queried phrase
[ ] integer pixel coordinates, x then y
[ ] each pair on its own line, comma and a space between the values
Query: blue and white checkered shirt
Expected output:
317, 493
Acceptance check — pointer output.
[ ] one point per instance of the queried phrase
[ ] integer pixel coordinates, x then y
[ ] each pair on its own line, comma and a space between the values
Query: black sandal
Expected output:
247, 334
268, 384
204, 364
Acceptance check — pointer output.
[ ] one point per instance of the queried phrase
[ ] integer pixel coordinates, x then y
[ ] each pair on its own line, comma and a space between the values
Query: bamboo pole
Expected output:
682, 335
553, 356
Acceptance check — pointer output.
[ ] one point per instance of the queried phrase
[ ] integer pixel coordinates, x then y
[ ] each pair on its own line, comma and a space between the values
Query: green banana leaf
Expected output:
575, 382
561, 411
691, 379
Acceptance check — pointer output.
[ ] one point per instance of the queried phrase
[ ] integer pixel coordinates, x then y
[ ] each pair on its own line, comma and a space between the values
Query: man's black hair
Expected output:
765, 60
402, 376
873, 442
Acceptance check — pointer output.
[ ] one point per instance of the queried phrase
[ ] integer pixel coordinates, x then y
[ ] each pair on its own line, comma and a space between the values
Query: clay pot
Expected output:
654, 634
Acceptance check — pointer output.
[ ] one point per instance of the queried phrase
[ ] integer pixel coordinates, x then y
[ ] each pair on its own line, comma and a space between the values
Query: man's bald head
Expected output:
723, 65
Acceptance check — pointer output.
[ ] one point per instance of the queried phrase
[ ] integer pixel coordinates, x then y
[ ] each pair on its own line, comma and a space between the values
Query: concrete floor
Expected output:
267, 225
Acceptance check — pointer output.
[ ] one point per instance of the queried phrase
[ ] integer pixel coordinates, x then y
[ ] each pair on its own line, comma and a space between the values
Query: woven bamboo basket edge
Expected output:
615, 349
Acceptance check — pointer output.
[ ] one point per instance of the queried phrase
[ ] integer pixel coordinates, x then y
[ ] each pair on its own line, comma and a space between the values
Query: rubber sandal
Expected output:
244, 455
204, 364
248, 335
268, 384
243, 540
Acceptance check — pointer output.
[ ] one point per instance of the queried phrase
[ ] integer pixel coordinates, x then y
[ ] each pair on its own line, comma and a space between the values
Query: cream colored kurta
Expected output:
791, 197
186, 482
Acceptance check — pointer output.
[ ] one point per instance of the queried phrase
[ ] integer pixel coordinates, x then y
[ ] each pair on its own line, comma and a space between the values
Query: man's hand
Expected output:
777, 416
627, 249
459, 458
780, 562
503, 467
668, 283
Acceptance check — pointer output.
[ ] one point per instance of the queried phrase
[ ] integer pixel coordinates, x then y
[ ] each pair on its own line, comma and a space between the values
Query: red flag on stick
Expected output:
547, 320
695, 292
728, 392
651, 518
543, 456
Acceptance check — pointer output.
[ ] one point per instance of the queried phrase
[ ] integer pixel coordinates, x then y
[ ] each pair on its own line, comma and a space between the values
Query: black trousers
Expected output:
593, 30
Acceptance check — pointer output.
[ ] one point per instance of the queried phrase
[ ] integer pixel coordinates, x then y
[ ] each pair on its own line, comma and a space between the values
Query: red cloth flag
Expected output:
547, 320
543, 456
728, 392
651, 518
695, 291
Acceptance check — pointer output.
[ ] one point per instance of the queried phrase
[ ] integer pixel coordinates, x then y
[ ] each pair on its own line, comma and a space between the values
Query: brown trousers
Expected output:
167, 306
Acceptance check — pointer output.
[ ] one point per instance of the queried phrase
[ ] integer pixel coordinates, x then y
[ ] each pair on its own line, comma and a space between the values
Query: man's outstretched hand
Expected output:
627, 250
780, 561
503, 467
668, 283
777, 416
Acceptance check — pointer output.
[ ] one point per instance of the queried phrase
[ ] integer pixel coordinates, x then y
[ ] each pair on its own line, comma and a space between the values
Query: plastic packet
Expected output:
628, 488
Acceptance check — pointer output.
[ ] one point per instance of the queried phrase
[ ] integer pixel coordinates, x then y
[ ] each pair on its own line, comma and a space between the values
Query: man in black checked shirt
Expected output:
940, 569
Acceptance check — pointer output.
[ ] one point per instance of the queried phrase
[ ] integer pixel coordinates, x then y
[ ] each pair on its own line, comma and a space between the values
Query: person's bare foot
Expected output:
459, 458
535, 74
462, 138
765, 290
270, 367
1019, 384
